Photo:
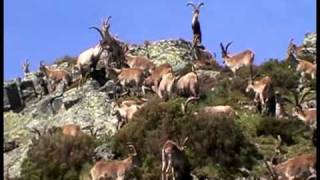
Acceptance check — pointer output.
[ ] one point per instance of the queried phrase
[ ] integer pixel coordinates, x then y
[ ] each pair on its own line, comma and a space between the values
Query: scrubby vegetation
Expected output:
57, 156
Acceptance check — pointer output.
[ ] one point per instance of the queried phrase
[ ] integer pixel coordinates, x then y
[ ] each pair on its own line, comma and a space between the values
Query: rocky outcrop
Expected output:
175, 52
86, 107
309, 51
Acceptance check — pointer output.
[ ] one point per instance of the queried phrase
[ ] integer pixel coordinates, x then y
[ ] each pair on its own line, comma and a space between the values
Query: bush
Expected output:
282, 77
57, 157
69, 59
290, 130
213, 141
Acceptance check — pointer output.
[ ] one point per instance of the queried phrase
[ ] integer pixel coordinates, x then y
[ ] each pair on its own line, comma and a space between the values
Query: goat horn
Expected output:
185, 140
222, 48
227, 46
184, 106
41, 63
291, 40
93, 27
201, 4
134, 149
107, 21
194, 6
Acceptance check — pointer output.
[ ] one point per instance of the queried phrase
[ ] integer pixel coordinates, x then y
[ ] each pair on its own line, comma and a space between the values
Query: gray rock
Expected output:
176, 52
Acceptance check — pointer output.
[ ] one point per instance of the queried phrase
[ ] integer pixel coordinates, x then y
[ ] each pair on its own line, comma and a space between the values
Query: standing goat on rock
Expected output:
140, 62
235, 62
263, 91
114, 169
25, 67
197, 38
173, 160
89, 58
55, 76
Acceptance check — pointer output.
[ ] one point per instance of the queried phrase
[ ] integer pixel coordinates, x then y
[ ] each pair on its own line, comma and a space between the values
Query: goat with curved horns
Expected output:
89, 58
195, 22
235, 62
118, 169
307, 115
302, 166
172, 158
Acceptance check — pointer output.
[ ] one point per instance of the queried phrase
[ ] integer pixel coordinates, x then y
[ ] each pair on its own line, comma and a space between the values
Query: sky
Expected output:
47, 30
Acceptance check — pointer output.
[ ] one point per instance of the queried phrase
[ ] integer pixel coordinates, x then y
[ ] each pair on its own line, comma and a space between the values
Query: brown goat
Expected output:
296, 167
235, 62
263, 90
166, 84
114, 169
56, 75
133, 77
126, 110
154, 79
171, 158
139, 62
309, 116
72, 130
188, 85
305, 67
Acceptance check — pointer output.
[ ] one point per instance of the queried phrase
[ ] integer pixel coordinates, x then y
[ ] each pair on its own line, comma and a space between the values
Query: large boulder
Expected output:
12, 99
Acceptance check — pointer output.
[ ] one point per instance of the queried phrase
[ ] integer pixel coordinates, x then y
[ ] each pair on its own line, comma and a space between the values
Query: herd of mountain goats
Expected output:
141, 74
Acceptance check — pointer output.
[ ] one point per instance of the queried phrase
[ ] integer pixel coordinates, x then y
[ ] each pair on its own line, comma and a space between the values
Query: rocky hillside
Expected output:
247, 141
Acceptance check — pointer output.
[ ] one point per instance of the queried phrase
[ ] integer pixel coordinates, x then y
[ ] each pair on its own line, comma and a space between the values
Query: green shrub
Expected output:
282, 76
57, 157
290, 130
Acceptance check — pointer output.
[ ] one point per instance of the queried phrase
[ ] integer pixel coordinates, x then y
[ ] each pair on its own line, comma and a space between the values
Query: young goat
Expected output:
126, 109
302, 167
235, 62
72, 130
114, 169
139, 62
305, 67
129, 77
263, 90
56, 75
154, 79
173, 160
